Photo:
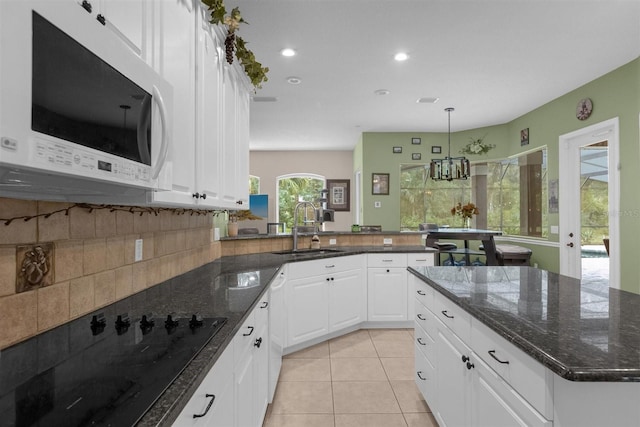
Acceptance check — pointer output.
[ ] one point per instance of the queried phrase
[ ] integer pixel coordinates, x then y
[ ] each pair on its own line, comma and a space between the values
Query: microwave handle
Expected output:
162, 156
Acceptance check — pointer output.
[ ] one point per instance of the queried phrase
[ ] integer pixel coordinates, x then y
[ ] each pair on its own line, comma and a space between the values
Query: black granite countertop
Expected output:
580, 333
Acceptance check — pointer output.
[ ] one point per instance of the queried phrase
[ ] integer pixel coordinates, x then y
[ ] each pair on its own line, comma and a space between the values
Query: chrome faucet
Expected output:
294, 230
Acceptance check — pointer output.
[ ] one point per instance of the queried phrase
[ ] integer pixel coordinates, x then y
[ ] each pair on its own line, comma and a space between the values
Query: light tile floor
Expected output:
362, 379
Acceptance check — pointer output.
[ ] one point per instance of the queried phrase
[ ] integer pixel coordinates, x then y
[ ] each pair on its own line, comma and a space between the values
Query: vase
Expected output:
232, 229
467, 222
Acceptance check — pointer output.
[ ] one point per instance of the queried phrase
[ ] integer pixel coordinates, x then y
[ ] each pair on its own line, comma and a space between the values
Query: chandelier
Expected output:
449, 168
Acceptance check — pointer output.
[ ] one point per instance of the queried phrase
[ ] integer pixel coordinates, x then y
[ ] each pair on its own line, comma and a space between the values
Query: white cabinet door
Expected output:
387, 294
261, 374
175, 59
347, 299
307, 303
453, 379
229, 137
126, 18
209, 130
244, 391
276, 328
212, 403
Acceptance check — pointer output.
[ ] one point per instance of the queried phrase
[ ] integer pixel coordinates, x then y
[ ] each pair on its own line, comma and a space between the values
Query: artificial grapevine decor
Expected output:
254, 70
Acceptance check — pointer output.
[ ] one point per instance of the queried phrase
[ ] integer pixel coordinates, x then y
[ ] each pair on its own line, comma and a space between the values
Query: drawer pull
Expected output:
264, 304
387, 260
213, 397
467, 360
330, 266
421, 293
421, 260
250, 332
444, 312
420, 341
419, 316
258, 342
492, 354
420, 375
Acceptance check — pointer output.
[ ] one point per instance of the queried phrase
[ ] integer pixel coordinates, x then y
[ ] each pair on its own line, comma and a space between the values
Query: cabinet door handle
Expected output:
420, 375
492, 354
419, 316
86, 5
421, 293
465, 358
444, 312
470, 365
387, 260
420, 341
213, 397
265, 304
258, 342
421, 260
330, 266
250, 332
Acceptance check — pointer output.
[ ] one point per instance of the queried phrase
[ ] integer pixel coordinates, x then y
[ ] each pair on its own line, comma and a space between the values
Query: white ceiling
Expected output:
493, 60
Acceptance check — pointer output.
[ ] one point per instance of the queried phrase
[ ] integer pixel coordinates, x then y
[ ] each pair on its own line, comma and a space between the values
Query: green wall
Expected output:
616, 94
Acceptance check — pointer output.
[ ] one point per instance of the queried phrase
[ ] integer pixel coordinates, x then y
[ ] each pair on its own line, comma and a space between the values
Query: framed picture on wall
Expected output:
416, 141
524, 136
397, 149
380, 183
436, 149
339, 195
416, 156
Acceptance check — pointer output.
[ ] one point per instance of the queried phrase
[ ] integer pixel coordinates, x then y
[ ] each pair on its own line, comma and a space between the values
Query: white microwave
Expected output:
82, 116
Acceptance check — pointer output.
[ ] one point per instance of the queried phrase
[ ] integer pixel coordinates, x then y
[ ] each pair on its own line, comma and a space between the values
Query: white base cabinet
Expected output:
324, 296
235, 392
461, 382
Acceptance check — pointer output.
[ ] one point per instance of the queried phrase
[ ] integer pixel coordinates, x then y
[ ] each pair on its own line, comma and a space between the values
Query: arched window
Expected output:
294, 188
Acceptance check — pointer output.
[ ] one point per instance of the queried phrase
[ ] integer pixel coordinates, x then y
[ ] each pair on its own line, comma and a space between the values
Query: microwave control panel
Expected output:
73, 159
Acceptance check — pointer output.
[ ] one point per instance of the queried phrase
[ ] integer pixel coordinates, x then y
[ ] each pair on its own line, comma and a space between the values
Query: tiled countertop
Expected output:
579, 336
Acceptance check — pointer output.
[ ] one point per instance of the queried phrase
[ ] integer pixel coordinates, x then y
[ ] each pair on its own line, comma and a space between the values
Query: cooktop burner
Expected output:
121, 366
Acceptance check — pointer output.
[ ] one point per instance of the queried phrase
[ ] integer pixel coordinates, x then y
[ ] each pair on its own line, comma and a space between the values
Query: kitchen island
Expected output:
547, 352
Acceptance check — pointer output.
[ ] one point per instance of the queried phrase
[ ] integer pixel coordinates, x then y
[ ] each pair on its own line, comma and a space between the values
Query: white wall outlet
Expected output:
553, 229
332, 241
387, 242
138, 250
377, 204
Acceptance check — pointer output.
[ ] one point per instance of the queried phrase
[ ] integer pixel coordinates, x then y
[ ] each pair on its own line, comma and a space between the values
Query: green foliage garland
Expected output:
254, 69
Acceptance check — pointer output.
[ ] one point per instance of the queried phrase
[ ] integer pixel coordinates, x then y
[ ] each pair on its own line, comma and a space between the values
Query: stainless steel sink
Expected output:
308, 251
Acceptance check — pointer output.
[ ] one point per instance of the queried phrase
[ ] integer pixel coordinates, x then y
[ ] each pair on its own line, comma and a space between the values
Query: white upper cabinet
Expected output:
174, 57
127, 18
208, 164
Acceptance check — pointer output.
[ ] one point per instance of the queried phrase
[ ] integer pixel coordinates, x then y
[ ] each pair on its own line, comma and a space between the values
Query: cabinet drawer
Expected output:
520, 371
454, 317
261, 310
424, 342
387, 260
244, 339
425, 319
425, 377
426, 259
423, 293
306, 269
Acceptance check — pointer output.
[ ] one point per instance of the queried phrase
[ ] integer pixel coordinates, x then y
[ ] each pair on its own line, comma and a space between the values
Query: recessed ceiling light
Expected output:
294, 80
401, 56
288, 52
382, 92
428, 100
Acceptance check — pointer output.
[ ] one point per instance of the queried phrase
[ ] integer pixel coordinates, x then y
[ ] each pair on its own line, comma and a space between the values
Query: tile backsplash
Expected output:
93, 258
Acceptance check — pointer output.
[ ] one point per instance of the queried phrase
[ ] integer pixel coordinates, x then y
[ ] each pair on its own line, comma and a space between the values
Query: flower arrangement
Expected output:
233, 43
465, 212
477, 146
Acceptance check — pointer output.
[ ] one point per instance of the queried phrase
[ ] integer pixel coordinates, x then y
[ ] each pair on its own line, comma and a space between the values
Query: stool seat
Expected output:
513, 254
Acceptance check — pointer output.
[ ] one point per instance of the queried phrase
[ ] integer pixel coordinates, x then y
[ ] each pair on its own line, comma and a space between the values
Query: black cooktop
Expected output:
113, 368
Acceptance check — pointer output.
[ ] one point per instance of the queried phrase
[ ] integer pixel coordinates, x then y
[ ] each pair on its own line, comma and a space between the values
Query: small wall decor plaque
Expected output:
436, 149
34, 266
416, 141
416, 156
397, 150
524, 136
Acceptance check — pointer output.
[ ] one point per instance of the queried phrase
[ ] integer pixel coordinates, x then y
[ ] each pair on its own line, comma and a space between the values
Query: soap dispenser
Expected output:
315, 242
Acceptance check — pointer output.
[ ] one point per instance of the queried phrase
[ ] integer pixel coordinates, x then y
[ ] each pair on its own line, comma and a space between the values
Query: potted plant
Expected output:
235, 216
